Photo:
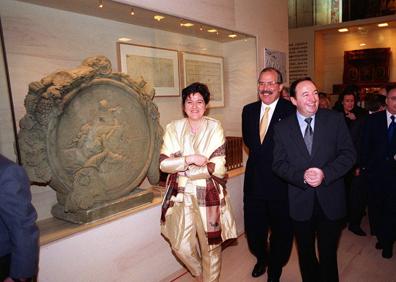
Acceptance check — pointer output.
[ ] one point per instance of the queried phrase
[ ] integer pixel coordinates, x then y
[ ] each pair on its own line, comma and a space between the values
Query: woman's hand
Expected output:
351, 115
196, 159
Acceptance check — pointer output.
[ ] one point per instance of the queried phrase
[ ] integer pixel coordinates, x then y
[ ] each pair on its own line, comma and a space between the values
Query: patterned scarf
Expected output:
208, 200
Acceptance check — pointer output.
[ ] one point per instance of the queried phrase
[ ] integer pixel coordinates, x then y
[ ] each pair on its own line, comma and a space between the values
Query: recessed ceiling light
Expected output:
124, 39
212, 30
362, 44
187, 24
232, 35
343, 29
382, 24
158, 17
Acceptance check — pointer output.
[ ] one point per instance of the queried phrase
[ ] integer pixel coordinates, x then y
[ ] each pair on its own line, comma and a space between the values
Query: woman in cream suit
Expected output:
196, 206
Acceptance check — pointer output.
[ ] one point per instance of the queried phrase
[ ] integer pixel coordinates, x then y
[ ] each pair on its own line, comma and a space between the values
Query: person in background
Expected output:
313, 151
378, 165
266, 207
285, 93
359, 187
324, 101
19, 235
196, 208
347, 103
353, 114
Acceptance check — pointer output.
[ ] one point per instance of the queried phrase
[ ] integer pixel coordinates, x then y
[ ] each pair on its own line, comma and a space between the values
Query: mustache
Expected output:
266, 92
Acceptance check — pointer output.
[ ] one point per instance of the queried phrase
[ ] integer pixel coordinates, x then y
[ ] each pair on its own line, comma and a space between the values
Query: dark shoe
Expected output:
387, 252
378, 246
259, 269
355, 229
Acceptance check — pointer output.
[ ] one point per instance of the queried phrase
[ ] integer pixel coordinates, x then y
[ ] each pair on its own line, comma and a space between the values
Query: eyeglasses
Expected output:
267, 83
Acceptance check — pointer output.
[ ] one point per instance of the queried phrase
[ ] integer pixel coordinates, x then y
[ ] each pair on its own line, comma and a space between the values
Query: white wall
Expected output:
327, 46
6, 130
40, 40
334, 45
265, 19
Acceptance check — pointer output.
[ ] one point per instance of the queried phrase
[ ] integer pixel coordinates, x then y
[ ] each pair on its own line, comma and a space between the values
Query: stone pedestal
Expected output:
137, 198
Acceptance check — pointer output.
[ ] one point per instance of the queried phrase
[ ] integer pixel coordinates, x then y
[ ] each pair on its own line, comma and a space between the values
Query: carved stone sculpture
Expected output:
93, 135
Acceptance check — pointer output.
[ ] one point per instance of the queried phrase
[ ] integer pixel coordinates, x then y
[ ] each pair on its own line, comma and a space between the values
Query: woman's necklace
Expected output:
194, 129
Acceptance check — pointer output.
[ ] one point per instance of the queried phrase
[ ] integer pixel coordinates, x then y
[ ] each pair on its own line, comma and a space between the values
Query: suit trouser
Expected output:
208, 260
327, 233
358, 200
4, 267
261, 215
386, 228
382, 206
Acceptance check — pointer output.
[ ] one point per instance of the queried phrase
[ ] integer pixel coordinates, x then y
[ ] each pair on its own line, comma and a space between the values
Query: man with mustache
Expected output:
265, 194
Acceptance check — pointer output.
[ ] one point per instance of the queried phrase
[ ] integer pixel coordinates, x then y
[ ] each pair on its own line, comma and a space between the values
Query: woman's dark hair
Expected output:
293, 86
196, 87
350, 89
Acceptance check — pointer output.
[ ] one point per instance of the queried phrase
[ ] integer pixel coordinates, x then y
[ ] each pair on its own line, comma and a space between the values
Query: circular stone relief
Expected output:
100, 146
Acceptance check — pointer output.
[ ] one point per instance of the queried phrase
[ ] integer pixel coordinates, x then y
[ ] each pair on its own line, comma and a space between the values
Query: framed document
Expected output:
157, 66
205, 69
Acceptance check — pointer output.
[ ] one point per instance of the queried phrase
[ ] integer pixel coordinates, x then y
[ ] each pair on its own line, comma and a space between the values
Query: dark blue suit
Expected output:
379, 166
315, 210
265, 194
18, 231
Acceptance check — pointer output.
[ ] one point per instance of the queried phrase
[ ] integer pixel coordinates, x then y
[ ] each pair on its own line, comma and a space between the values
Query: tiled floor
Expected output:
358, 261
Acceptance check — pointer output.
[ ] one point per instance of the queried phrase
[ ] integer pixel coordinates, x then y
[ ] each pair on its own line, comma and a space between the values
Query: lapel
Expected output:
295, 134
317, 132
256, 121
276, 117
392, 145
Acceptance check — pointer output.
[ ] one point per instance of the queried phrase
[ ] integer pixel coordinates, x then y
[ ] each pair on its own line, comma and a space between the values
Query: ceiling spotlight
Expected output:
362, 44
382, 24
201, 28
232, 35
186, 24
343, 30
100, 4
124, 39
212, 30
158, 17
132, 12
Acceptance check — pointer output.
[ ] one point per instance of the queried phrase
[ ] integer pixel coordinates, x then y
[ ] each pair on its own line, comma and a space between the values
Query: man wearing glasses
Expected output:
265, 194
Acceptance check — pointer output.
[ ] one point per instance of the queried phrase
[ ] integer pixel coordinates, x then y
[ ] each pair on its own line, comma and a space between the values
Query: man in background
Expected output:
378, 165
19, 234
359, 186
265, 194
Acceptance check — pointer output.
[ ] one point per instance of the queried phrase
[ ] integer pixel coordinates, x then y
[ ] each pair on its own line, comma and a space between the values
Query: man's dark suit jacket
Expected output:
377, 155
260, 181
18, 230
332, 151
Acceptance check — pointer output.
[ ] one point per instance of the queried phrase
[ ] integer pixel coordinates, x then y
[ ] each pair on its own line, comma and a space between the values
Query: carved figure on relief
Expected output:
93, 135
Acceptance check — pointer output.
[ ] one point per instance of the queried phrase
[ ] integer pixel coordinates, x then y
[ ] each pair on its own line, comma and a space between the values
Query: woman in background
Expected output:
196, 206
